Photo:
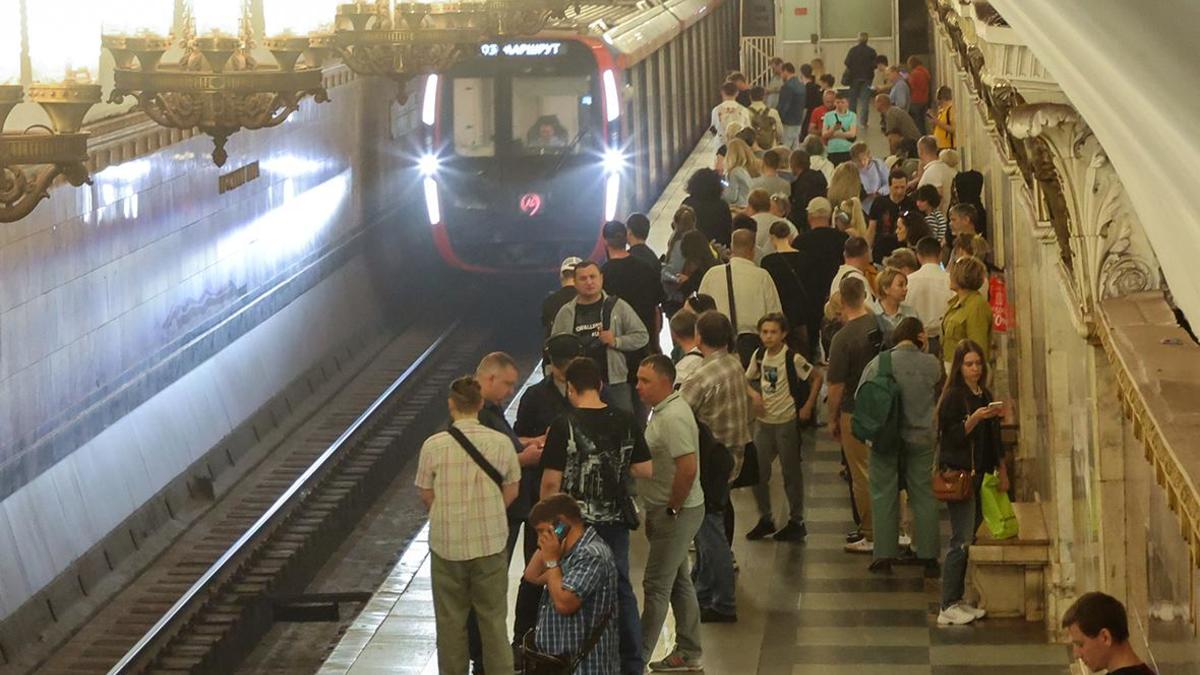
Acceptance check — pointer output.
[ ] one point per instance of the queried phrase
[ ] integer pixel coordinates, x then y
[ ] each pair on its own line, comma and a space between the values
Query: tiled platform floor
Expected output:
807, 609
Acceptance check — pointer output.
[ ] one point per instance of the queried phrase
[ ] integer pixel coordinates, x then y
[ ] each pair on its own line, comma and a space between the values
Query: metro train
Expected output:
528, 146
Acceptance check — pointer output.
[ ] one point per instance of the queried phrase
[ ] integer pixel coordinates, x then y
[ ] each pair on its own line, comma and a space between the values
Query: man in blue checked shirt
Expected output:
577, 569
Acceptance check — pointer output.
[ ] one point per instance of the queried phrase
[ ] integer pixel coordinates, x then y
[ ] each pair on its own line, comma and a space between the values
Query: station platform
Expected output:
803, 609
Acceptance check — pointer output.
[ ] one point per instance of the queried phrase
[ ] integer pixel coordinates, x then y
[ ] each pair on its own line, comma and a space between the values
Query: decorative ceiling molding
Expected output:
1107, 254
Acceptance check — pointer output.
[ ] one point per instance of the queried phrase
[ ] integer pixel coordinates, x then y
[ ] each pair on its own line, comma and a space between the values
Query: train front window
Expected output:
549, 113
474, 117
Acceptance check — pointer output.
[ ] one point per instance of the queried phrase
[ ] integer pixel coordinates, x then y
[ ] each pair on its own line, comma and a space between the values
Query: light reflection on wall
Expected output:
121, 183
288, 165
290, 228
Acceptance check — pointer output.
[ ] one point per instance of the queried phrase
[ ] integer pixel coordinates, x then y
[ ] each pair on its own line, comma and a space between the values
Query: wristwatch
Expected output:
672, 511
550, 564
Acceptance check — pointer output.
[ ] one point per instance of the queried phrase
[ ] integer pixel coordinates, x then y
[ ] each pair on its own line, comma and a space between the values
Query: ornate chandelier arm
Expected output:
19, 196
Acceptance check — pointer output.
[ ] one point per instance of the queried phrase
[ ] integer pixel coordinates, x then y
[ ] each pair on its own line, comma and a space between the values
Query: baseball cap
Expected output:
820, 206
564, 346
569, 263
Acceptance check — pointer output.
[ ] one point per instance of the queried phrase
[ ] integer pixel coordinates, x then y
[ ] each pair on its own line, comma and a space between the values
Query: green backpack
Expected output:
876, 419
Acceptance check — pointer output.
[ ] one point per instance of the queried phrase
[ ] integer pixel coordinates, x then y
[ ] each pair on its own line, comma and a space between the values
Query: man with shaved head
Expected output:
743, 292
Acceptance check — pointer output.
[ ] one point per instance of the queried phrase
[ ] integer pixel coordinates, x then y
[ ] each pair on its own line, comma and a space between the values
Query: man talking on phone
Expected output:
576, 616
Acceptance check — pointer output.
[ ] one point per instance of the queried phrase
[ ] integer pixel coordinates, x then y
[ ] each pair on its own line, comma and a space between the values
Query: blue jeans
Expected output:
962, 534
713, 573
629, 624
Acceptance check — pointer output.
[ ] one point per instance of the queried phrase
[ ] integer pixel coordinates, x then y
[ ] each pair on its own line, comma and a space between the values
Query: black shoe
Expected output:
853, 536
881, 566
764, 527
708, 615
792, 532
932, 569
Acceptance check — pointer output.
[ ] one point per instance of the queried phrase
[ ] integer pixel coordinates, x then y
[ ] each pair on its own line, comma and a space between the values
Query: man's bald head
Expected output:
742, 244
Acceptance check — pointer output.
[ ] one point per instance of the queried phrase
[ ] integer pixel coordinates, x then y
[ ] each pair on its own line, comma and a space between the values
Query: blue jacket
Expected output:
791, 102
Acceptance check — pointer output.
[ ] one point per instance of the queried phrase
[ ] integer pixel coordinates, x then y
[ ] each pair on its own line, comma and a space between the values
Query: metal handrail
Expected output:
296, 489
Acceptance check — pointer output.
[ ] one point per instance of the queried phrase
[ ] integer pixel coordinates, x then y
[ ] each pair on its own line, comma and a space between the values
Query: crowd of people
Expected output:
802, 278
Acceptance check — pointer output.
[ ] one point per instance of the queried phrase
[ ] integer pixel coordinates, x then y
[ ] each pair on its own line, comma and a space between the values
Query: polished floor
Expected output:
804, 609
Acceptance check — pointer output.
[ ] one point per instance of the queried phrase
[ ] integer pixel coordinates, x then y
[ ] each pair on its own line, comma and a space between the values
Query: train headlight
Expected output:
613, 161
428, 165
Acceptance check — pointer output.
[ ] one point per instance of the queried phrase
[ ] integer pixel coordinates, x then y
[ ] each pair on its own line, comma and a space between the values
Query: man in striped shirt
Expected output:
577, 617
468, 530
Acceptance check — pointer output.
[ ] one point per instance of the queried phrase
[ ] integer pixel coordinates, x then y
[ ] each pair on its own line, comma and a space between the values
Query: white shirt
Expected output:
687, 365
753, 289
928, 293
939, 174
726, 112
852, 271
819, 163
762, 235
775, 388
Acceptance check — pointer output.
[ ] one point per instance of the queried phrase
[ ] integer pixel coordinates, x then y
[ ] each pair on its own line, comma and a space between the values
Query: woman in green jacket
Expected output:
968, 316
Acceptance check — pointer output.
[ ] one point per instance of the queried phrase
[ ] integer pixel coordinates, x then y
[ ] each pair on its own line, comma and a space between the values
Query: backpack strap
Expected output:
732, 301
885, 363
467, 445
592, 640
606, 311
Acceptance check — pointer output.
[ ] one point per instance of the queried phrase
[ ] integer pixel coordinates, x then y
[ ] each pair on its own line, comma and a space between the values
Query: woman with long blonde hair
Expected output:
741, 167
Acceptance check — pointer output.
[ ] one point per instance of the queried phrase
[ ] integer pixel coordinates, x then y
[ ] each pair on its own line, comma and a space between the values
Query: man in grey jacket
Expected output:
607, 327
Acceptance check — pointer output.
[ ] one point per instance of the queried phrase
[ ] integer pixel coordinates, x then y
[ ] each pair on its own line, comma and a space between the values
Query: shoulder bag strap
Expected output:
477, 456
593, 639
606, 311
732, 302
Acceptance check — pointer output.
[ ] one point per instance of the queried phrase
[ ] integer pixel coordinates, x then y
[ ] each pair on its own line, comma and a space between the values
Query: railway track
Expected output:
212, 595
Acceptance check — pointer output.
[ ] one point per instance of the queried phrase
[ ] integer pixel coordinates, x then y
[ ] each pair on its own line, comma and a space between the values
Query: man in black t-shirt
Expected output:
631, 279
591, 453
822, 248
806, 186
881, 221
638, 226
1099, 632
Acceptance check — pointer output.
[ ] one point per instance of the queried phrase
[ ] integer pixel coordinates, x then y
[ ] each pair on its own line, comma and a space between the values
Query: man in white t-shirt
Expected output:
856, 256
929, 291
729, 110
753, 289
783, 402
934, 171
683, 332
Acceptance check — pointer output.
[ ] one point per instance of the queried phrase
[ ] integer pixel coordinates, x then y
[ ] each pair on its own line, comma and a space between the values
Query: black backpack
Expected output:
716, 465
799, 389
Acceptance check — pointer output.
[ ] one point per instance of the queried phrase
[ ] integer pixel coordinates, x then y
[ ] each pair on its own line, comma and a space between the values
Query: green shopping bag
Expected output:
997, 509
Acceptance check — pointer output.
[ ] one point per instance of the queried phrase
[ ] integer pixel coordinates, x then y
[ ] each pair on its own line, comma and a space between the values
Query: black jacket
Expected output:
860, 61
955, 445
712, 217
492, 417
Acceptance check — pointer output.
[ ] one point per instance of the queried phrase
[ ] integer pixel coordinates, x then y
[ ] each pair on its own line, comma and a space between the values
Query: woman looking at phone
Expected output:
968, 422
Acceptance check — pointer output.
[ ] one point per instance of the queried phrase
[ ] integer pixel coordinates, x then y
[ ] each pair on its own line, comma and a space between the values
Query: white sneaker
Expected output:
905, 541
954, 615
972, 610
860, 546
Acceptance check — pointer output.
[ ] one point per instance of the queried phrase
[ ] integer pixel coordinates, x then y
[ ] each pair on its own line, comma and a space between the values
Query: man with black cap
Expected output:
540, 405
560, 297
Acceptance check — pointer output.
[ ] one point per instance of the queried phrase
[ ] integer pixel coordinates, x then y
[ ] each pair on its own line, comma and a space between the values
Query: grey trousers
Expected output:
668, 581
782, 441
459, 586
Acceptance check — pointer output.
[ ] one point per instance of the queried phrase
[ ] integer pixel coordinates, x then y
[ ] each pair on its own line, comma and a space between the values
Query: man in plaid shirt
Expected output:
720, 397
468, 530
577, 616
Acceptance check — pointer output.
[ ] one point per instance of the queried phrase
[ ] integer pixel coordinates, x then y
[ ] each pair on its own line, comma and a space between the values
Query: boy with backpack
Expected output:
787, 386
768, 129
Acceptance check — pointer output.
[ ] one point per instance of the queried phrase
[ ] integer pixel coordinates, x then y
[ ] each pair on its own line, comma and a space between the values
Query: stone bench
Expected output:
1009, 574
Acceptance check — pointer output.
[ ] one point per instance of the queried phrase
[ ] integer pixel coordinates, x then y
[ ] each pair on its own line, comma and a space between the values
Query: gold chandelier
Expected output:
404, 39
217, 86
61, 83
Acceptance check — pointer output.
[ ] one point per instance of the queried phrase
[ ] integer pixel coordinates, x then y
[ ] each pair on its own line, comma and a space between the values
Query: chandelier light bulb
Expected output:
64, 52
146, 18
218, 18
288, 18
